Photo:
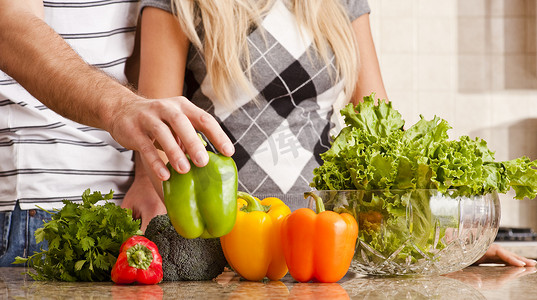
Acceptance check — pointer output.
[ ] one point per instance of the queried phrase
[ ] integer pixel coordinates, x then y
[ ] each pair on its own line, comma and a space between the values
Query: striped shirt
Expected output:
44, 157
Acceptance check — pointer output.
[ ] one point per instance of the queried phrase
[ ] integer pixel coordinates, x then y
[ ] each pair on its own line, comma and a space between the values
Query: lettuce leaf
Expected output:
374, 152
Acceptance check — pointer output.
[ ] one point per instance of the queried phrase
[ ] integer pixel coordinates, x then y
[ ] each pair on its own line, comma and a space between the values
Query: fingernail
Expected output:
184, 165
202, 158
533, 262
228, 149
163, 172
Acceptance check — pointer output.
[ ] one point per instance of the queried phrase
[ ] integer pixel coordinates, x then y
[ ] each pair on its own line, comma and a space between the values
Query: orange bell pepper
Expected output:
320, 246
253, 248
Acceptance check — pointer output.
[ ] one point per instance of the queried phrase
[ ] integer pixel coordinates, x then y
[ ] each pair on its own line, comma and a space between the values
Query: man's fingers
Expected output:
168, 143
170, 125
204, 122
210, 127
150, 155
182, 126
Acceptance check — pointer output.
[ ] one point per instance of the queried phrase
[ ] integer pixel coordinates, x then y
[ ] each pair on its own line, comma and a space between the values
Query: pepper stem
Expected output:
319, 204
139, 256
253, 205
202, 140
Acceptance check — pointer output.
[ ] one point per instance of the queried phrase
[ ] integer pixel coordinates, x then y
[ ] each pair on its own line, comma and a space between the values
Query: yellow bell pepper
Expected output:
253, 248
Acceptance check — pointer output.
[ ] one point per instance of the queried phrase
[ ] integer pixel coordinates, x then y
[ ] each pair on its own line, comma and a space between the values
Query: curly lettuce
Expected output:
374, 152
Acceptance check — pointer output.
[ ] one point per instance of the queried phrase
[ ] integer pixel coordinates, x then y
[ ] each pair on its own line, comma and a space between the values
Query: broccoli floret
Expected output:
185, 259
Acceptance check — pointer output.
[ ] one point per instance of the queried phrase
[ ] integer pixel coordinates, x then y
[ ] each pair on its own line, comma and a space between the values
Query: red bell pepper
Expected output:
320, 246
138, 261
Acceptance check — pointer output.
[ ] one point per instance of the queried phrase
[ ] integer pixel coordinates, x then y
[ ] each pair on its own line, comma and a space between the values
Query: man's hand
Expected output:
169, 124
45, 65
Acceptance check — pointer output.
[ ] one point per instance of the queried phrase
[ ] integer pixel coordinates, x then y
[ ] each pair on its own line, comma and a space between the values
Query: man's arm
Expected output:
45, 65
36, 7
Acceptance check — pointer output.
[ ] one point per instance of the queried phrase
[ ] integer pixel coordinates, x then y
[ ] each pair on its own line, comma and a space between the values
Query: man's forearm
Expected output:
45, 65
42, 62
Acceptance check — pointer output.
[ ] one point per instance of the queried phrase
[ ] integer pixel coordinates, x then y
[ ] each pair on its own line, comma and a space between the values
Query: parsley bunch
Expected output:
83, 240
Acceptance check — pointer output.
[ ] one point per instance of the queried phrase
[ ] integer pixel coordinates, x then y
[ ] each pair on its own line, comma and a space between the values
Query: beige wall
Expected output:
471, 62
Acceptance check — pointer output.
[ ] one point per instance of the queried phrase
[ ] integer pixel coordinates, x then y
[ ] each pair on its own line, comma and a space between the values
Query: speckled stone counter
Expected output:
483, 282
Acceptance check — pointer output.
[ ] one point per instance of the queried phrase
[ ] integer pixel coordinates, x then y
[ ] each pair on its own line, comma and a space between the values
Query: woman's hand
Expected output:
142, 197
144, 202
497, 254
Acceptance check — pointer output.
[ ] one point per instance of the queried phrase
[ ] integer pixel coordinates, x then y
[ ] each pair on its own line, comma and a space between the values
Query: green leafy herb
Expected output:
83, 240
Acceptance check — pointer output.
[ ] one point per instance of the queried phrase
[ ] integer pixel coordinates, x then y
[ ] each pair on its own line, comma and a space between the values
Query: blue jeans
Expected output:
17, 229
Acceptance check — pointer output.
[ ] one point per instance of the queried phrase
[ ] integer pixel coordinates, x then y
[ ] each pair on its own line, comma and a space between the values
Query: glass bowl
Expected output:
411, 232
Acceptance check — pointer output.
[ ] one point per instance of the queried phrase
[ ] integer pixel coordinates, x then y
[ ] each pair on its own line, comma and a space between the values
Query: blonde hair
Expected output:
225, 25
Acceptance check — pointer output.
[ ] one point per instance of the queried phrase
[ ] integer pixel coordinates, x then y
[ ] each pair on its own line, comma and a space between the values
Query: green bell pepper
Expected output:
203, 202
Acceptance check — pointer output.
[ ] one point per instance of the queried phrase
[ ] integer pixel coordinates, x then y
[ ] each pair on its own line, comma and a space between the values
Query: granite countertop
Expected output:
476, 282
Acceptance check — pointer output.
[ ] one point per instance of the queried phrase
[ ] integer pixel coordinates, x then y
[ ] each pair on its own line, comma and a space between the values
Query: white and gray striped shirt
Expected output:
44, 157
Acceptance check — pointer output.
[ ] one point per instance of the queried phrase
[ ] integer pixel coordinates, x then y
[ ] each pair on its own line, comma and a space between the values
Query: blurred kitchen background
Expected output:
471, 62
